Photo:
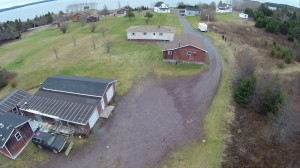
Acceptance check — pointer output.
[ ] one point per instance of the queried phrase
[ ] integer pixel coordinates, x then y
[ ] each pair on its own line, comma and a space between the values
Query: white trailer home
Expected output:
202, 27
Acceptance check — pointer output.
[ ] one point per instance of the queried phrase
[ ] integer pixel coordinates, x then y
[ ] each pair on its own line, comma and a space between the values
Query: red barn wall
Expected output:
180, 54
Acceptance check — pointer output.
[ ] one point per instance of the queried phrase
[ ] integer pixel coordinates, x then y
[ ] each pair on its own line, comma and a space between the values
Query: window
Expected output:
161, 34
18, 136
170, 52
133, 34
145, 33
189, 53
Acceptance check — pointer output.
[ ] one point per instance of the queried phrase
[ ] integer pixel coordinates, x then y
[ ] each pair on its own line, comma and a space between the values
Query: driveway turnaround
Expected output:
153, 118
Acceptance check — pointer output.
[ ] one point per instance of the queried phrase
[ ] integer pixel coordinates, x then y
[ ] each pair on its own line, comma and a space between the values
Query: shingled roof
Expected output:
158, 4
184, 40
8, 122
79, 85
151, 29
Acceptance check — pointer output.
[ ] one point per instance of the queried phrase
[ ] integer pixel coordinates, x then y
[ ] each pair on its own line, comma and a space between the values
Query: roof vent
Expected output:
1, 125
8, 127
3, 139
0, 135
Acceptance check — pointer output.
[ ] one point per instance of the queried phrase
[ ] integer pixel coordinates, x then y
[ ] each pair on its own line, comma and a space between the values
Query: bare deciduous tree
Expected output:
93, 27
103, 30
108, 45
63, 27
74, 40
55, 51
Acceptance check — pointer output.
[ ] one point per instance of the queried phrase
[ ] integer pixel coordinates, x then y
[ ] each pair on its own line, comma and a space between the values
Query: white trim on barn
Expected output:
110, 93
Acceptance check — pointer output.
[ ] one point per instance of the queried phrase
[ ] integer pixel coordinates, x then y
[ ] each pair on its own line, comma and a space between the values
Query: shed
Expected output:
121, 12
15, 134
186, 49
76, 17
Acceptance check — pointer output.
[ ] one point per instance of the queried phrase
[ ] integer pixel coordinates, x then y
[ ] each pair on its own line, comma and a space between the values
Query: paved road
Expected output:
154, 117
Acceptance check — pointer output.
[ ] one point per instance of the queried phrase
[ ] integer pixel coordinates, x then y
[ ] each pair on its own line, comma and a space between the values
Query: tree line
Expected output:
281, 21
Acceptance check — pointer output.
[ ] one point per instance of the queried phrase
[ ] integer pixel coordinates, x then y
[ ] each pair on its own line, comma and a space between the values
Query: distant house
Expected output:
76, 17
224, 8
272, 8
190, 11
121, 12
161, 7
92, 18
243, 15
159, 33
72, 101
186, 49
15, 134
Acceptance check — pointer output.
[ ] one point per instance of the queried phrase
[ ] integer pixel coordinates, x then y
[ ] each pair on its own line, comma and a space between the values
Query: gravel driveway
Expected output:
154, 117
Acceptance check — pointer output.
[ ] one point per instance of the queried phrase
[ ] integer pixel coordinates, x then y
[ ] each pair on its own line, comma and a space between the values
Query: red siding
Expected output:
5, 152
15, 146
180, 54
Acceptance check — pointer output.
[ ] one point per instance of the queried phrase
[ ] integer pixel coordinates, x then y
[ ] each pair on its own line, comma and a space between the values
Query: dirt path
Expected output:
154, 117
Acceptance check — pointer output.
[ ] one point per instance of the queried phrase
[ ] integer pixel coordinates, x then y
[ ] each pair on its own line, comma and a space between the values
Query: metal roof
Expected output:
11, 100
8, 122
80, 85
61, 106
190, 8
152, 29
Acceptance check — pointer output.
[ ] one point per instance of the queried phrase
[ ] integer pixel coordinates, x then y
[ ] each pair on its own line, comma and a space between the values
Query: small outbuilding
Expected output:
76, 17
15, 134
185, 49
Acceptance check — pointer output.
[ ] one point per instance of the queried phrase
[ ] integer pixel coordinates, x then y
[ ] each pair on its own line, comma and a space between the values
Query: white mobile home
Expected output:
160, 33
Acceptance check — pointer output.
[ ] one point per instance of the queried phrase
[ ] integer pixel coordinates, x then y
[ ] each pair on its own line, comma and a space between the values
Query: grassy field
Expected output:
209, 153
33, 59
193, 20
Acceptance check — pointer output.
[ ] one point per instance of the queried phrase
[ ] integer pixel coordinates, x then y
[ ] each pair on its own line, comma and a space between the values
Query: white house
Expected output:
161, 7
224, 8
243, 15
272, 8
152, 33
190, 11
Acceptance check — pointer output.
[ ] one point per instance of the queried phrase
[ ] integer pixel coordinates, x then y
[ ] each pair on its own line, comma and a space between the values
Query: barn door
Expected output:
110, 93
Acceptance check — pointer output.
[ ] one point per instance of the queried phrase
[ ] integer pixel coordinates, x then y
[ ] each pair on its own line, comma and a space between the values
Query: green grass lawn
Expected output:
193, 20
209, 154
232, 16
33, 59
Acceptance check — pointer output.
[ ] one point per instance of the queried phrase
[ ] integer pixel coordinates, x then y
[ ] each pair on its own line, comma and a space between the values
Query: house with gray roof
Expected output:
73, 101
15, 134
161, 7
151, 33
191, 11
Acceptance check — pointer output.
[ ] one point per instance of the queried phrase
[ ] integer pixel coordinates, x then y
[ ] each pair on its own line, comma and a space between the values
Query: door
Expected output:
110, 93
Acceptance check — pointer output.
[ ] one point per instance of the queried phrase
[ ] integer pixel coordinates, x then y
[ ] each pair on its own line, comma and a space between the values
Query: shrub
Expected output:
288, 59
273, 52
261, 22
5, 76
281, 65
3, 82
245, 90
271, 98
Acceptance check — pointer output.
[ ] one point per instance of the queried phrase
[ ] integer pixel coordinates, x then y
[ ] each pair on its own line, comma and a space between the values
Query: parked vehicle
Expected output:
46, 140
202, 27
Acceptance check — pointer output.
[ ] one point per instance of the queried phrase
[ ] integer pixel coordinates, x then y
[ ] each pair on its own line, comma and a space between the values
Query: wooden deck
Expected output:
107, 111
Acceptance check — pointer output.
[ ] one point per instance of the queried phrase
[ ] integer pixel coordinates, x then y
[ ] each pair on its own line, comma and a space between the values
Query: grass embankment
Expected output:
209, 153
33, 59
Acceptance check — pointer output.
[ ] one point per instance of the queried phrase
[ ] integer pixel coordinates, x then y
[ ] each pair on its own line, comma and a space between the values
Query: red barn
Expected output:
15, 134
186, 49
